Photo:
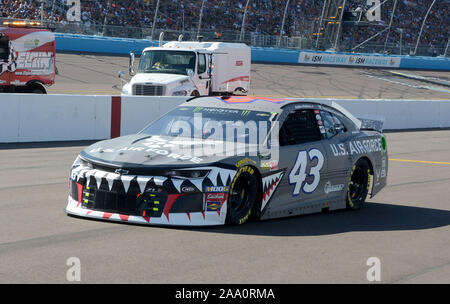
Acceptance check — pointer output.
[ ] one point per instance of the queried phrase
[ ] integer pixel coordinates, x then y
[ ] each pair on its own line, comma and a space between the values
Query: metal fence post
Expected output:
282, 23
243, 21
421, 28
390, 25
201, 16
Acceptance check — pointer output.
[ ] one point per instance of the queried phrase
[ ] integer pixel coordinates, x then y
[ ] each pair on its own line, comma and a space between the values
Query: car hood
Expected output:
142, 150
157, 78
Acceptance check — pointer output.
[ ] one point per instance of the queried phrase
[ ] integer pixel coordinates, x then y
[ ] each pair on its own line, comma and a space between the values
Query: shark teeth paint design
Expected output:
81, 173
126, 180
159, 181
270, 184
198, 183
98, 177
142, 181
177, 183
88, 175
110, 178
216, 176
219, 173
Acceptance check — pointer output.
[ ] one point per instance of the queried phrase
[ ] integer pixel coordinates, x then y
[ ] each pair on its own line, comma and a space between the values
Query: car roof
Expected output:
265, 104
255, 103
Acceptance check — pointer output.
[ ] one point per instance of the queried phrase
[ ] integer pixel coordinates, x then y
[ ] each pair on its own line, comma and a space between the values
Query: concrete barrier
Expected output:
401, 114
35, 118
30, 117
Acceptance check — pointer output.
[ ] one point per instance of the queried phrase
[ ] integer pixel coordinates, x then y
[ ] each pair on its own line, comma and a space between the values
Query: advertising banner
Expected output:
322, 58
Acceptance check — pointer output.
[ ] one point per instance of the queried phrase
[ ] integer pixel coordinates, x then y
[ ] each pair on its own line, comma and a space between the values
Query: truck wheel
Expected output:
358, 185
195, 94
240, 92
242, 196
35, 89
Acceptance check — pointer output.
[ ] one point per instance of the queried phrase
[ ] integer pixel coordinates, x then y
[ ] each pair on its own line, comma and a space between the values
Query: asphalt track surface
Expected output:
97, 75
407, 226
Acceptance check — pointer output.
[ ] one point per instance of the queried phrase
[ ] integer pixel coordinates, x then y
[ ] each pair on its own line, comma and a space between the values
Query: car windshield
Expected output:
172, 62
213, 123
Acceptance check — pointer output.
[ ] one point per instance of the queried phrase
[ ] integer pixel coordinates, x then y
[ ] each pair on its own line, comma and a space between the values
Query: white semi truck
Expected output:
182, 68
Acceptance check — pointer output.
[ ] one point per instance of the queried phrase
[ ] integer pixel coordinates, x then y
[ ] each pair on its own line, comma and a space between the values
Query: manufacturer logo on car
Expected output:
187, 189
122, 171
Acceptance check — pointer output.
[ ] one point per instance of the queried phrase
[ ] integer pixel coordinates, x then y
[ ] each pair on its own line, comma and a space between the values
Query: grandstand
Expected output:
343, 25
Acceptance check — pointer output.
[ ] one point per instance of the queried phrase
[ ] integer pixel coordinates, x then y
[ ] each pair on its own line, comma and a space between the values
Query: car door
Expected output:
202, 81
304, 158
336, 136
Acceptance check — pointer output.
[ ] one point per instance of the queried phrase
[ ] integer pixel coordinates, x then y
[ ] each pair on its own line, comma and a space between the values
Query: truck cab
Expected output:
190, 69
27, 57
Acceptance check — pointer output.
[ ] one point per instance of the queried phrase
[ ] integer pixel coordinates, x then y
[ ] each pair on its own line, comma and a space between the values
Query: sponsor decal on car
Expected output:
333, 188
214, 201
217, 189
269, 165
244, 162
357, 147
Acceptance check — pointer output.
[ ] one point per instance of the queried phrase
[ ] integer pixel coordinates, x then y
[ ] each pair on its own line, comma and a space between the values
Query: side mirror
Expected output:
211, 65
190, 73
131, 67
121, 74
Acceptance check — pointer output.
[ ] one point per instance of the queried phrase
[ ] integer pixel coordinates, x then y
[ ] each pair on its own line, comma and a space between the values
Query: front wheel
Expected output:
242, 196
358, 186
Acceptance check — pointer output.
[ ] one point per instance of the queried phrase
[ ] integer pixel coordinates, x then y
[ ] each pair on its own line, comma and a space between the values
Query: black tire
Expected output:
33, 89
358, 185
242, 196
36, 91
195, 94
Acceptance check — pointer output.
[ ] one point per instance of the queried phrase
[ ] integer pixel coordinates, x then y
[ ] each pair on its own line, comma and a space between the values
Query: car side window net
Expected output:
299, 127
332, 124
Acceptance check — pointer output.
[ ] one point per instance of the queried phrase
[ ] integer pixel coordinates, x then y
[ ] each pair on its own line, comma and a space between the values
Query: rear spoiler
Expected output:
371, 123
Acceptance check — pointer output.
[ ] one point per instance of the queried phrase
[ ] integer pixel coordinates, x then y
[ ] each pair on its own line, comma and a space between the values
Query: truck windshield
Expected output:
172, 62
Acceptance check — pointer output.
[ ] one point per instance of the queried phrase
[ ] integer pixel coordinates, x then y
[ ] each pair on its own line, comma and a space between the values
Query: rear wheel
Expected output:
34, 88
358, 186
195, 94
242, 196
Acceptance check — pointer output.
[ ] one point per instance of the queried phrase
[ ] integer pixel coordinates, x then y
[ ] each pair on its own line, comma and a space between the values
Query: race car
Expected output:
225, 160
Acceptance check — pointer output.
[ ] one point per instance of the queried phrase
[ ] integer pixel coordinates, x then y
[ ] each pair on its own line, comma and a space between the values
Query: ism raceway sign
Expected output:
349, 59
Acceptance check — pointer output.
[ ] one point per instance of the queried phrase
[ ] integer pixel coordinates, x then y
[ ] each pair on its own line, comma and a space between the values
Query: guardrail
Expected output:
123, 46
37, 118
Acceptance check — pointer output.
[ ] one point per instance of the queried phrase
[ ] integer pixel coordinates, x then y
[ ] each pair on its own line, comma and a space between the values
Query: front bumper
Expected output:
173, 219
148, 200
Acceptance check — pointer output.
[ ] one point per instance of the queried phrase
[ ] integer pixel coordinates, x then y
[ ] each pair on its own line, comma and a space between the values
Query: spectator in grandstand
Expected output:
263, 17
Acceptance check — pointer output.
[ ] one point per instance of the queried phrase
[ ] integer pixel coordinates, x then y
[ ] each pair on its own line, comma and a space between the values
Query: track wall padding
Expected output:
37, 118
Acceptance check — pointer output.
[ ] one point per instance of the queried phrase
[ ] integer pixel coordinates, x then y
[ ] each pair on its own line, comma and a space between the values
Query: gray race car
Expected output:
218, 160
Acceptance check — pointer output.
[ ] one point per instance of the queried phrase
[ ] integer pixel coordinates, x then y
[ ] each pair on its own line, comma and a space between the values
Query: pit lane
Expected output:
407, 226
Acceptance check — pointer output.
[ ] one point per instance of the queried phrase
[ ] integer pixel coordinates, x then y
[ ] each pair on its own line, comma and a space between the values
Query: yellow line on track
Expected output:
418, 161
